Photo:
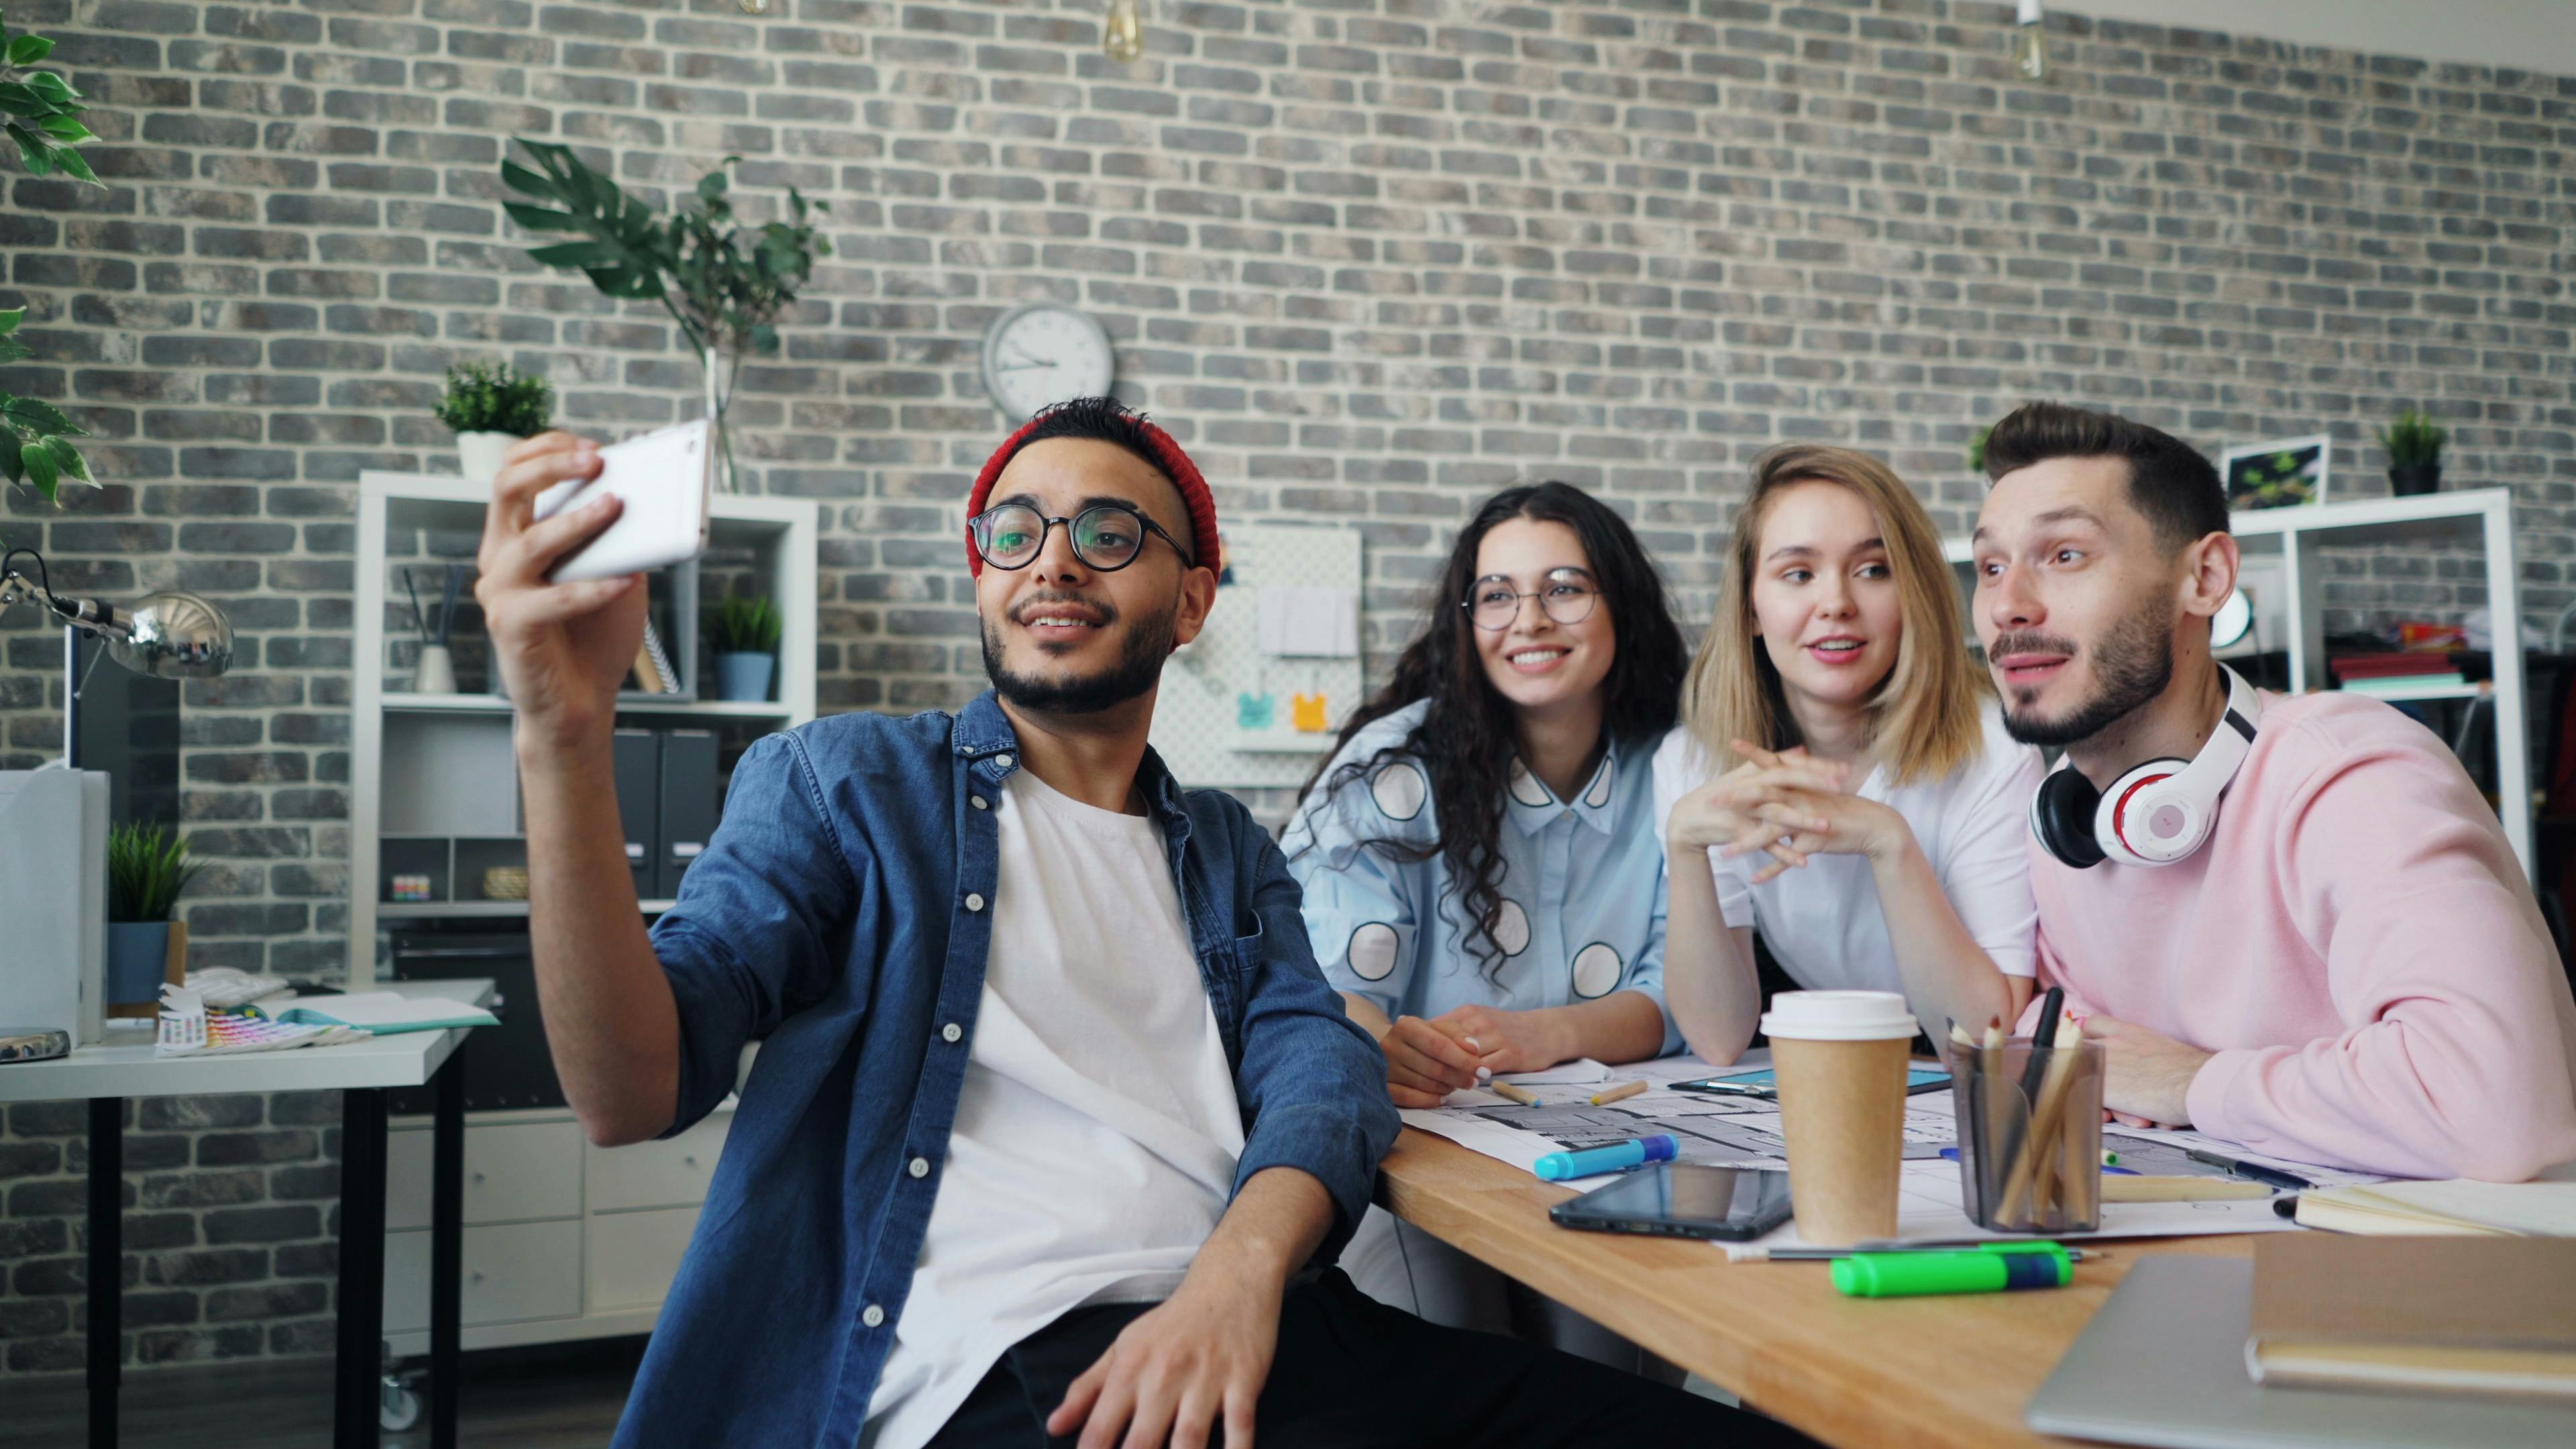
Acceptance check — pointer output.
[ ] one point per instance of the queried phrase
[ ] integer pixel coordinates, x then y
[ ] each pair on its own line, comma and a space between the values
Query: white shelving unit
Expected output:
779, 533
563, 1240
2289, 544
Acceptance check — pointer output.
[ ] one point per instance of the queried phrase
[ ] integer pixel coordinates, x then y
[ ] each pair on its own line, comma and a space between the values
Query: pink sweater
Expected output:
2357, 944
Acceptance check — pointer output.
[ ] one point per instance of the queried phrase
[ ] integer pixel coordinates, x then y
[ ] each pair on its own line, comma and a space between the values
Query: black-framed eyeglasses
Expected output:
1565, 595
1106, 536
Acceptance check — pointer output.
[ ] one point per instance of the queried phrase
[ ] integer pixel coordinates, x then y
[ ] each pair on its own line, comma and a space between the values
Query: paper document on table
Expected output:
1733, 1132
2165, 1151
1580, 1072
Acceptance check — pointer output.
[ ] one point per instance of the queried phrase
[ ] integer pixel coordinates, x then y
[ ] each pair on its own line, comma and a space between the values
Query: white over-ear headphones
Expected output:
2155, 814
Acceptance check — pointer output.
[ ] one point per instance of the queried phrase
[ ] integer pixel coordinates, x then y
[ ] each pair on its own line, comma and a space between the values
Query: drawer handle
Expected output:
478, 1277
690, 1160
478, 1177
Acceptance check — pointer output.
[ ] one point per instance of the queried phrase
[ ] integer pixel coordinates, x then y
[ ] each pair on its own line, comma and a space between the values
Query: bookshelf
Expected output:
426, 766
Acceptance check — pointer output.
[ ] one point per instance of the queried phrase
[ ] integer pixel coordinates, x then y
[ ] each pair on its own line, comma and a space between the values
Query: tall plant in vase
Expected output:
724, 282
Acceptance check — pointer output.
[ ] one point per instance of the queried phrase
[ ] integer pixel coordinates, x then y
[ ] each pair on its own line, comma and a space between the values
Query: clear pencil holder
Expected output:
2030, 1140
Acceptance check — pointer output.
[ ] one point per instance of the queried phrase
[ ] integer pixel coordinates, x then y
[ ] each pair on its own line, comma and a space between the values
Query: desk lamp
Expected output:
168, 635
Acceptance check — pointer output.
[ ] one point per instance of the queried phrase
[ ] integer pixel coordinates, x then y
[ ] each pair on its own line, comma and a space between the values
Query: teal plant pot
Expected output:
744, 678
138, 952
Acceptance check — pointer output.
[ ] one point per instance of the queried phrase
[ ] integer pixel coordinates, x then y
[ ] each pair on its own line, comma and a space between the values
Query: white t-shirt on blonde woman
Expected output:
1821, 920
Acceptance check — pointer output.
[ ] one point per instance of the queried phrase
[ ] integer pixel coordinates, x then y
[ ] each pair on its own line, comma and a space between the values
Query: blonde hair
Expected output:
1925, 716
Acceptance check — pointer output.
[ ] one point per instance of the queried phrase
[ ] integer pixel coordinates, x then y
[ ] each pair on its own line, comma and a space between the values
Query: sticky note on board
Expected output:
1309, 621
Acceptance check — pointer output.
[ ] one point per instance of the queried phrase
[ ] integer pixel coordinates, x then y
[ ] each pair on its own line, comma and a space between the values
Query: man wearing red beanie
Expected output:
1056, 1128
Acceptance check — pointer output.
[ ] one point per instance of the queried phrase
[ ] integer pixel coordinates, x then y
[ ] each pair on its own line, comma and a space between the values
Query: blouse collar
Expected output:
1533, 807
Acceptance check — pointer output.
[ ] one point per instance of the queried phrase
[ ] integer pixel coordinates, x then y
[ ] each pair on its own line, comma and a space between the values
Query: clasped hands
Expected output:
1786, 804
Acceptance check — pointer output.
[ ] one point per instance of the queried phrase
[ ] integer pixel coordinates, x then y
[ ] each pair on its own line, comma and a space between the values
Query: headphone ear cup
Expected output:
2061, 815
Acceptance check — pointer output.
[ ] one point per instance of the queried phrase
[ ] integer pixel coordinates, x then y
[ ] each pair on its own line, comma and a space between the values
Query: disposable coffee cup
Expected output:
1839, 1057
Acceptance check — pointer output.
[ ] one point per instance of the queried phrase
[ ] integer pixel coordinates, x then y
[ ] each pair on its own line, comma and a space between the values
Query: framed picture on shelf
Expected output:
2285, 473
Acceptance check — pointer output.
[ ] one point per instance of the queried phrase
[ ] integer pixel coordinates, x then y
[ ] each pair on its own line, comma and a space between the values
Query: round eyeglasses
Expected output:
1566, 595
1106, 536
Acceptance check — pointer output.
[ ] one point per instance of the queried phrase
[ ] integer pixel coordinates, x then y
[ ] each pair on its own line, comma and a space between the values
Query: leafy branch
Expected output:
724, 283
41, 113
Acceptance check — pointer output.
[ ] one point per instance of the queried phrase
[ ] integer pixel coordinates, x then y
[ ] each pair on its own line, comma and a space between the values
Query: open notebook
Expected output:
380, 1012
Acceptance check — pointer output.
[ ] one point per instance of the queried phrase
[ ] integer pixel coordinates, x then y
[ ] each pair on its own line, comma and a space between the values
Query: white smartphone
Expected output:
667, 478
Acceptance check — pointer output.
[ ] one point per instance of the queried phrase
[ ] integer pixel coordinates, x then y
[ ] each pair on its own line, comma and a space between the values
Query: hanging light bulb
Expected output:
2030, 43
1122, 35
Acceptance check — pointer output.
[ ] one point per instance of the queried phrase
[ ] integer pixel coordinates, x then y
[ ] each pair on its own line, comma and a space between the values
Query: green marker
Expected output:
1990, 1268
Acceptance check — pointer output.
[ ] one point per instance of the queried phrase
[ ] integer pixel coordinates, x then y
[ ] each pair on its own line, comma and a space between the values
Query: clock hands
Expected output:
1021, 366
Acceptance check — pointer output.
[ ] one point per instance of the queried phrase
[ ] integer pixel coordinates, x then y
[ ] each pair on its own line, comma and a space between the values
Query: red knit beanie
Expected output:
1167, 454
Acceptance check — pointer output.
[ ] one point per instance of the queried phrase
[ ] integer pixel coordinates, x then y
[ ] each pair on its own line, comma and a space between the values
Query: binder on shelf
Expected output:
688, 805
638, 778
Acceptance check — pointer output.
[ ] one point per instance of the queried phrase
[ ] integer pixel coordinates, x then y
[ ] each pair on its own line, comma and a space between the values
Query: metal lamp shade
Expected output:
174, 635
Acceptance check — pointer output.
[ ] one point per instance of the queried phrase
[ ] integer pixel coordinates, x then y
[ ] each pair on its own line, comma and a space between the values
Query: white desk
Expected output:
106, 1075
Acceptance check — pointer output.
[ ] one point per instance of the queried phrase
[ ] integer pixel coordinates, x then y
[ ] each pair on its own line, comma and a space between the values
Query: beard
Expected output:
1139, 667
2133, 663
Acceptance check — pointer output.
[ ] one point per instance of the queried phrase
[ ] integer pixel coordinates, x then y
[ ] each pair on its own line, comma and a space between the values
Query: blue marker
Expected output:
1617, 1157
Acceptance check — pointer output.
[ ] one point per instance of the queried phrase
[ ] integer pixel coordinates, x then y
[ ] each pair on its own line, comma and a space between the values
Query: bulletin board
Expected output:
1211, 723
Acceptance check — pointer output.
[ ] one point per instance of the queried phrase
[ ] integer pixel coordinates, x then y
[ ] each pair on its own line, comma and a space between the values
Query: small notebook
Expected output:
2498, 1209
2452, 1315
381, 1012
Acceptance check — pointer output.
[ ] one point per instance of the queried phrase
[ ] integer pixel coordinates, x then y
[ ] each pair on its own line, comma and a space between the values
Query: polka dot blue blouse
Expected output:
1582, 912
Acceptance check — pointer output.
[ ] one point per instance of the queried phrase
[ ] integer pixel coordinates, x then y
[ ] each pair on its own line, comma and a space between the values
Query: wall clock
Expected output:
1045, 353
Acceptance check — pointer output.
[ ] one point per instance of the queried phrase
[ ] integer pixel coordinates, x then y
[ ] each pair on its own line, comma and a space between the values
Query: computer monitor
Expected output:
126, 724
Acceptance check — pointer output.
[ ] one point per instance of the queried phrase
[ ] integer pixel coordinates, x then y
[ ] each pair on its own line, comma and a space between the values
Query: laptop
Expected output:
2163, 1364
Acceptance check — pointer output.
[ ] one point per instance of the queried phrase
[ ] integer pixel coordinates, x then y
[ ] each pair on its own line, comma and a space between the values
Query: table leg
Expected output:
362, 1267
446, 1244
106, 1263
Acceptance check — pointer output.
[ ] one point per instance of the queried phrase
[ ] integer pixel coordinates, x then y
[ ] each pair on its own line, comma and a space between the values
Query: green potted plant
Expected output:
147, 868
724, 281
2414, 443
40, 113
743, 631
491, 406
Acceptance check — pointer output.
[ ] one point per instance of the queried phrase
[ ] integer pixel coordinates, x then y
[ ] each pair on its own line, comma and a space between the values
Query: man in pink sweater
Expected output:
2351, 970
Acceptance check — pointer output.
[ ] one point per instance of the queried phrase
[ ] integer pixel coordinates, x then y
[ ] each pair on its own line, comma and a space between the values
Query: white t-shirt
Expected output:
1821, 920
1098, 1129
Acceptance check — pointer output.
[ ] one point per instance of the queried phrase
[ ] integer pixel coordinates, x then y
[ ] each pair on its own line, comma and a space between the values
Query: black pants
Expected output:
1351, 1372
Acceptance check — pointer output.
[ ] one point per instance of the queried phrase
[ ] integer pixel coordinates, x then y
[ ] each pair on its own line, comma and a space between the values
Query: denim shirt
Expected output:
841, 913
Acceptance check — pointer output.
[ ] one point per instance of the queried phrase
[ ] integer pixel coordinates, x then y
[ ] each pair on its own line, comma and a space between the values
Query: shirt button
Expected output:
974, 902
1001, 762
950, 1033
977, 801
873, 1317
919, 1167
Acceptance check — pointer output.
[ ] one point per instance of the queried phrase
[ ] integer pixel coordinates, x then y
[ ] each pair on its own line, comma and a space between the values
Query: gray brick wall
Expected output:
1369, 258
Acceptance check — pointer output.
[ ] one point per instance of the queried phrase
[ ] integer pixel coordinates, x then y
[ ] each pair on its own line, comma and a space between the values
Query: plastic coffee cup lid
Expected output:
1838, 1016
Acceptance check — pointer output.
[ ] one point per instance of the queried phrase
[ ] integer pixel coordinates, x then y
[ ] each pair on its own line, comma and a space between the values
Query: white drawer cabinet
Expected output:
514, 1272
514, 1172
633, 1255
668, 1173
562, 1240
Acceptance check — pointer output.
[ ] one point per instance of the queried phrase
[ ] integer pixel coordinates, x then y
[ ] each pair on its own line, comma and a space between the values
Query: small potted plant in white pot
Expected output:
491, 406
2414, 443
743, 631
147, 868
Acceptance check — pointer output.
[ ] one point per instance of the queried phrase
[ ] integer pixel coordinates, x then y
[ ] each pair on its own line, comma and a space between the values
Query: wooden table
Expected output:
1948, 1371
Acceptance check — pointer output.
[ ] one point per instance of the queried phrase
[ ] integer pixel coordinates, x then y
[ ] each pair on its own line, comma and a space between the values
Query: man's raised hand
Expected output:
562, 649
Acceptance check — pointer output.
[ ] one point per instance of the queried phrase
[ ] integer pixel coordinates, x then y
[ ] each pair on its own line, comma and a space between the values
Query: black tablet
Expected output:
1683, 1200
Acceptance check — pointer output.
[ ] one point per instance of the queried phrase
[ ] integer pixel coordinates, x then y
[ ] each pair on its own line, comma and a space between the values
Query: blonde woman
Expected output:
1841, 782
